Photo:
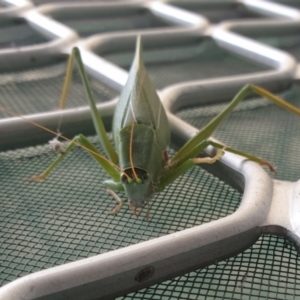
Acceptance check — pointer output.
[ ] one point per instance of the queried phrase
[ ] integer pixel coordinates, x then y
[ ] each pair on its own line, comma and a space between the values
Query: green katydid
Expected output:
139, 165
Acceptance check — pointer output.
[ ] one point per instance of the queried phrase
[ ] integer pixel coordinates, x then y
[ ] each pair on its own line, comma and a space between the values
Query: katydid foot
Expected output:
37, 177
118, 199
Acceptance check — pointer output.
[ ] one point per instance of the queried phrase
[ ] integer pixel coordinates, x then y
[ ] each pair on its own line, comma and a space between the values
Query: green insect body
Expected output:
141, 134
139, 166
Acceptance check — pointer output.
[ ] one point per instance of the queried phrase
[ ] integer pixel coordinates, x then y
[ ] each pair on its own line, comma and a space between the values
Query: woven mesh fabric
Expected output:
86, 26
174, 64
267, 270
259, 127
62, 219
289, 42
38, 89
18, 34
291, 3
216, 14
40, 2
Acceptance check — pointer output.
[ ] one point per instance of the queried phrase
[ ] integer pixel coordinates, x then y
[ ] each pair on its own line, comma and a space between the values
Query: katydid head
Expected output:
138, 187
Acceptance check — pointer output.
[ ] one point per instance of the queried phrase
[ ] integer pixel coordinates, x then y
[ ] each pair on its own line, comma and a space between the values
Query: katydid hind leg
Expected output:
191, 159
208, 130
244, 154
181, 161
176, 171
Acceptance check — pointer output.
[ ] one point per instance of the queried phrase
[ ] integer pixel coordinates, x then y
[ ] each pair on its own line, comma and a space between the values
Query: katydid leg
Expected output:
114, 185
208, 130
244, 154
199, 148
98, 123
82, 141
118, 199
67, 81
175, 171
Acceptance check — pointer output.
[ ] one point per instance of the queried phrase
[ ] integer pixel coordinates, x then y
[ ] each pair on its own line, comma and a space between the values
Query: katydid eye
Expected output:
145, 176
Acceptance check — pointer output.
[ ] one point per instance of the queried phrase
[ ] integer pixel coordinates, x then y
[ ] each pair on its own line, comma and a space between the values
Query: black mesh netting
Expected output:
41, 2
174, 64
258, 127
268, 270
18, 34
291, 3
62, 219
216, 13
39, 89
88, 25
287, 41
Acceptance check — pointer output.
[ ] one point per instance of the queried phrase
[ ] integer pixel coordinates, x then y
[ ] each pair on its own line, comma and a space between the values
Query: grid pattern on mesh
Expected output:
40, 2
19, 34
174, 64
290, 3
86, 26
267, 270
38, 90
62, 219
258, 127
287, 41
216, 14
39, 233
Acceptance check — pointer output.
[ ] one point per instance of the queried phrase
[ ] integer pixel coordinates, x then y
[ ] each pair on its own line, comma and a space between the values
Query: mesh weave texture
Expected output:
62, 219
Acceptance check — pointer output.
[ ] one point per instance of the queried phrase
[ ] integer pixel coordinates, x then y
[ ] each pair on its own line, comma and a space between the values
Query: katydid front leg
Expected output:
97, 120
114, 183
109, 165
84, 143
118, 199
